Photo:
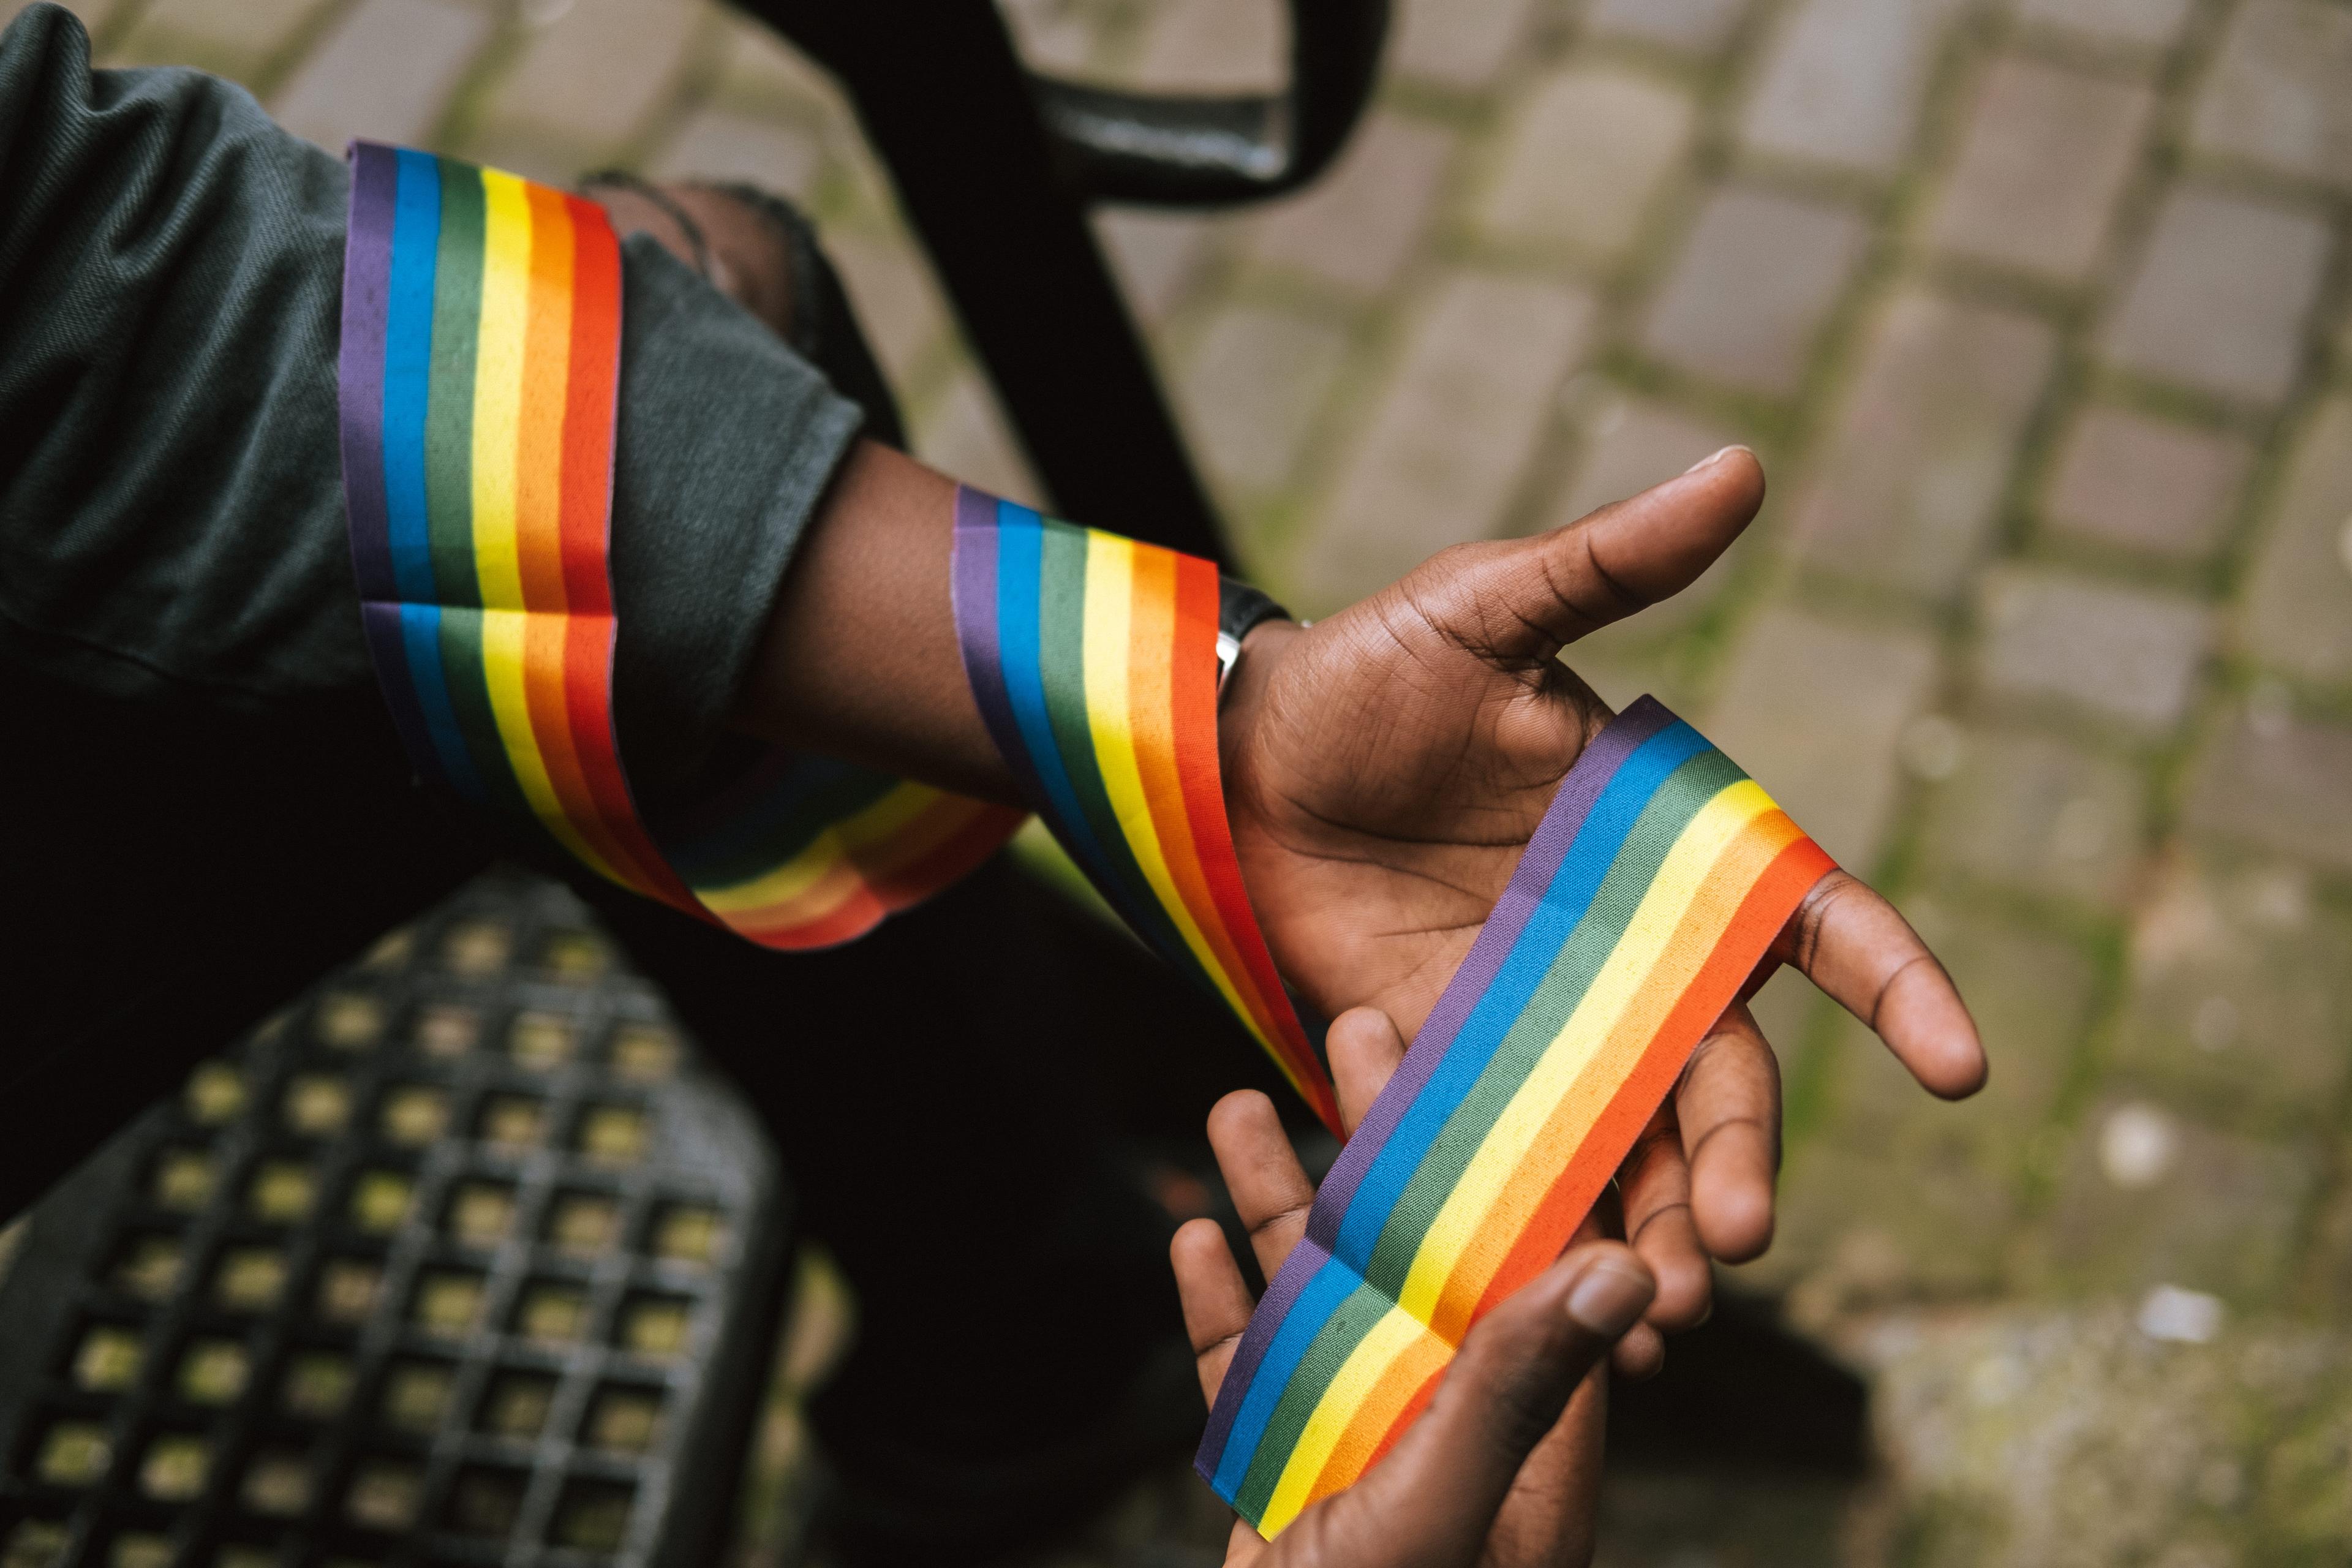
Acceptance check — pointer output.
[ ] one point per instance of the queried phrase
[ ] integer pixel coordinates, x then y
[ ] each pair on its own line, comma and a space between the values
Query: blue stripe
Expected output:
1020, 540
1333, 1283
1564, 905
407, 374
420, 634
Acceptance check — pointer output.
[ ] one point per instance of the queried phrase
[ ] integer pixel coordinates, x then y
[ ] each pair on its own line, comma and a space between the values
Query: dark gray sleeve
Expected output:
170, 509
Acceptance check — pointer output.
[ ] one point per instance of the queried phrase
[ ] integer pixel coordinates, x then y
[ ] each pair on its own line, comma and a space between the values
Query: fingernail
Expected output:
1709, 462
1608, 1299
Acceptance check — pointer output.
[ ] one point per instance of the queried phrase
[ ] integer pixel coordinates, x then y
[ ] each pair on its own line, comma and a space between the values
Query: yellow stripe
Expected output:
1336, 1412
1110, 633
876, 822
504, 670
1628, 967
499, 370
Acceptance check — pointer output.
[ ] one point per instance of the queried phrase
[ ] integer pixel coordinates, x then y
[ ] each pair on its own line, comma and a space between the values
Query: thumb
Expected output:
1435, 1496
1532, 597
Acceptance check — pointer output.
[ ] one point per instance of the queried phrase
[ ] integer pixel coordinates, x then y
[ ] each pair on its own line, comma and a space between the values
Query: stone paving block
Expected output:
1628, 443
2221, 295
1357, 226
1253, 388
1214, 45
1692, 27
1154, 253
2298, 610
344, 89
1461, 44
596, 72
1443, 453
1745, 302
2037, 813
1862, 1229
721, 146
2127, 654
2241, 995
1904, 495
2281, 782
2151, 1196
1584, 157
2149, 24
2131, 479
2044, 157
965, 433
1813, 710
230, 40
1842, 82
891, 291
2067, 1435
2280, 93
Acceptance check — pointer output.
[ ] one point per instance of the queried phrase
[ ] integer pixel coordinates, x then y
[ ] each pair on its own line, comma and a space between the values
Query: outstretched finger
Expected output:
1365, 1048
1269, 1187
1654, 1189
1729, 1108
1217, 1302
1859, 949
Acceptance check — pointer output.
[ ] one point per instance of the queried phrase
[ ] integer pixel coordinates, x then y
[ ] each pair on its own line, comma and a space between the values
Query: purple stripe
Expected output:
1306, 1260
367, 282
1562, 820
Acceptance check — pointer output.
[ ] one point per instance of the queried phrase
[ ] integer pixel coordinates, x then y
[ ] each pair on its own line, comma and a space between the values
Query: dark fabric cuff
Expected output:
727, 443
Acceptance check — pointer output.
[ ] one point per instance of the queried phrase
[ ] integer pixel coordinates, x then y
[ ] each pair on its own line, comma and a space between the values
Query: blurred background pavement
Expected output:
2036, 311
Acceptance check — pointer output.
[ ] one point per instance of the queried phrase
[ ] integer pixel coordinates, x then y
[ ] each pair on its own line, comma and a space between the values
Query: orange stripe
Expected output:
1765, 909
1413, 1411
539, 436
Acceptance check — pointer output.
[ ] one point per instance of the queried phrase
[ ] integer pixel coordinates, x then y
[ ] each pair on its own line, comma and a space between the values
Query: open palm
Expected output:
1386, 767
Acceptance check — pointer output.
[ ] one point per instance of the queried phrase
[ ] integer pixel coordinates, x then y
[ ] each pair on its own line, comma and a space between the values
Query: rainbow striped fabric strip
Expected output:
1093, 661
1653, 886
479, 380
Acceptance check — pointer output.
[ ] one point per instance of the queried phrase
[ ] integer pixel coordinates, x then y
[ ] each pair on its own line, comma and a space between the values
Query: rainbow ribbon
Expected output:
480, 377
1653, 886
1093, 661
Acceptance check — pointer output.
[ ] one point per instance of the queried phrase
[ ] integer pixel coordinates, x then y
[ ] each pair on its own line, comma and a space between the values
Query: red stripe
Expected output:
590, 407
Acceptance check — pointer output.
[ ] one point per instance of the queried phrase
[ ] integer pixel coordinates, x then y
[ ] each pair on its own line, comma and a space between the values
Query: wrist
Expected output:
1242, 701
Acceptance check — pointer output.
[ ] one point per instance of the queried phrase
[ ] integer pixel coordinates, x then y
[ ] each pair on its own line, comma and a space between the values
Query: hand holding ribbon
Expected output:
1385, 769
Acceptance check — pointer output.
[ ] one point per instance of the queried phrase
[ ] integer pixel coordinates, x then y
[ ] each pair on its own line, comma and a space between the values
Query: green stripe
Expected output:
449, 412
1060, 655
1343, 1332
1679, 797
470, 695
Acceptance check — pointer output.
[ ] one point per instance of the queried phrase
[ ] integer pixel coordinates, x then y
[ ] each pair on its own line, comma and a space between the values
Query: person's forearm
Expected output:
860, 658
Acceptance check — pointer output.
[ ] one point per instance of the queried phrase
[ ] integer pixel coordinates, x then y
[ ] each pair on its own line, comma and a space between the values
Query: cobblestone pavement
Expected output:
2036, 311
